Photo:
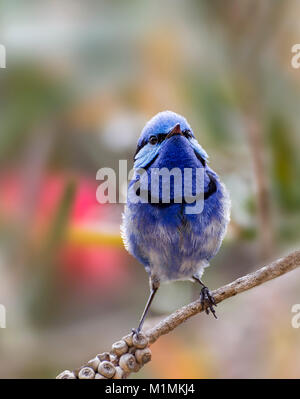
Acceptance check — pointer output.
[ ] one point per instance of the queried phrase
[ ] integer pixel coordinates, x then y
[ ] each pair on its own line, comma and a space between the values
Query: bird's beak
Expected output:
176, 130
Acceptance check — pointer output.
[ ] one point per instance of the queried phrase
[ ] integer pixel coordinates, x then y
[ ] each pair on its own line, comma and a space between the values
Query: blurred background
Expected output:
82, 78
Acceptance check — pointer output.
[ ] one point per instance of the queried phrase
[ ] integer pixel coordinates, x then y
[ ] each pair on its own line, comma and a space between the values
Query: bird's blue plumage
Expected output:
170, 242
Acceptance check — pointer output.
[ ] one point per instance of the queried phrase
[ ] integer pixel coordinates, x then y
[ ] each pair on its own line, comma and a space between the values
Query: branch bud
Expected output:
107, 369
119, 348
128, 339
86, 373
139, 341
143, 356
100, 377
120, 374
94, 363
103, 356
66, 375
128, 363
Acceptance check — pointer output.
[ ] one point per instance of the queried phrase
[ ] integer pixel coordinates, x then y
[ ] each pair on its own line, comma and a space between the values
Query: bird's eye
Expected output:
153, 140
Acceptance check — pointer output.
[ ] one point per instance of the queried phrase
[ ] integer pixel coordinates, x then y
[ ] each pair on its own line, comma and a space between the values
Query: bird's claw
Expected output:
135, 331
207, 301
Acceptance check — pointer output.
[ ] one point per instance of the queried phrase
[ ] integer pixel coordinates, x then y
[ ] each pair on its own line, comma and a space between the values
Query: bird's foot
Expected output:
207, 301
136, 331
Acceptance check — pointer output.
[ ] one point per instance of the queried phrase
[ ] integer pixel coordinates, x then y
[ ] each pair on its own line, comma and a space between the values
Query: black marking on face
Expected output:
200, 158
187, 133
160, 138
139, 147
212, 187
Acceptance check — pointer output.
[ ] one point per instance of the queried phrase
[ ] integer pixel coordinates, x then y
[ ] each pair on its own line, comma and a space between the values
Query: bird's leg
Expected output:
153, 290
207, 300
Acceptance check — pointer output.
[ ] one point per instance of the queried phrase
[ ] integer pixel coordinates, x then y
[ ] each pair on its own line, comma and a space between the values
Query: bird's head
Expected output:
167, 140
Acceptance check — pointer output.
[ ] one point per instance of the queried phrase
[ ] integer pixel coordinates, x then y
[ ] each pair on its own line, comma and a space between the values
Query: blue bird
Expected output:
170, 238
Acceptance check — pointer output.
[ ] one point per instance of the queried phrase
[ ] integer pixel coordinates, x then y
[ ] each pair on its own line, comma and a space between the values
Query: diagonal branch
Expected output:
260, 276
131, 353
